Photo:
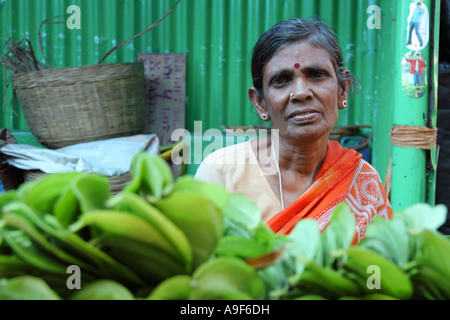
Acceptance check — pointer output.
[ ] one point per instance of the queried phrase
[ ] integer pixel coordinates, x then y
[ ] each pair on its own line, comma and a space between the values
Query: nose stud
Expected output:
291, 95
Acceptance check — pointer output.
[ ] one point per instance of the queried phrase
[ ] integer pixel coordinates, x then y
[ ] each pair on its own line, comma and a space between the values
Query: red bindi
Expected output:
297, 65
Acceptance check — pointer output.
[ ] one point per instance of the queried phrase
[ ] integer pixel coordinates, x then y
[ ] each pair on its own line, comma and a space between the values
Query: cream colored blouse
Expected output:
236, 167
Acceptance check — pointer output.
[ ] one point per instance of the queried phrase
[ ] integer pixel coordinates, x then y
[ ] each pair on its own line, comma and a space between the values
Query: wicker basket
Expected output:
67, 106
338, 133
11, 177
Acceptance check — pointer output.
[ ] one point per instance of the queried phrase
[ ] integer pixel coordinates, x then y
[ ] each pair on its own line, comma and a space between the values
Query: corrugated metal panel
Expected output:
218, 36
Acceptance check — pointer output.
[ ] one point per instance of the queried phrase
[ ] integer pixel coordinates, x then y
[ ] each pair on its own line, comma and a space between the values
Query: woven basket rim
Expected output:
70, 75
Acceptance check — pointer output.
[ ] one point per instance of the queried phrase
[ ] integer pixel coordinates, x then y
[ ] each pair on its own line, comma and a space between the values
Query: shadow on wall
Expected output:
443, 115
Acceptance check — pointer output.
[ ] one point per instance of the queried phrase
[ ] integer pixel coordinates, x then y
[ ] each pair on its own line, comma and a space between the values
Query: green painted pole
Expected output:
411, 94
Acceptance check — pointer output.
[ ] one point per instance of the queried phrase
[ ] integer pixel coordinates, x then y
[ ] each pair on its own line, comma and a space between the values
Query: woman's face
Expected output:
309, 73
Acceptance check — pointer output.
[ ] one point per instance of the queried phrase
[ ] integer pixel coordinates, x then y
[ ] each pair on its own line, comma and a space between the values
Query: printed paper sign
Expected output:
165, 79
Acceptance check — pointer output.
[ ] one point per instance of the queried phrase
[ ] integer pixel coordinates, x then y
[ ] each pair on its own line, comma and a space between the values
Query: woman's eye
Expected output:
318, 74
279, 81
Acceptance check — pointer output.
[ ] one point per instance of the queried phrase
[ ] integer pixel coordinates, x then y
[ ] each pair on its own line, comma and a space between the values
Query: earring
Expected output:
344, 104
265, 117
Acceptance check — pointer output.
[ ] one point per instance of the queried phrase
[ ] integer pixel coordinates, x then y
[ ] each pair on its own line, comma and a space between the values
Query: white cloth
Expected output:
110, 157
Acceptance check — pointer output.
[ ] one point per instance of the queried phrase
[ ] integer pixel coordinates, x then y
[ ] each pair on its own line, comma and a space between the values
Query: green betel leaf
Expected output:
151, 176
263, 234
305, 241
389, 238
92, 192
198, 218
342, 221
276, 278
67, 207
103, 289
87, 251
434, 252
239, 246
7, 197
337, 235
242, 210
178, 287
26, 288
22, 246
42, 194
214, 192
225, 278
422, 216
20, 216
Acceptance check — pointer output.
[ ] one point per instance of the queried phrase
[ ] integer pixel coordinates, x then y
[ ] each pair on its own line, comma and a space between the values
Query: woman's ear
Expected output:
256, 98
344, 86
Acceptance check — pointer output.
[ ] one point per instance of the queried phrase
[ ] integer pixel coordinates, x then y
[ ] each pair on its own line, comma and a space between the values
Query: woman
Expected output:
299, 83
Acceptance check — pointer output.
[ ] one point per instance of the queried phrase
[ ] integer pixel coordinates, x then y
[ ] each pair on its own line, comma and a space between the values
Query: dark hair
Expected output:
318, 32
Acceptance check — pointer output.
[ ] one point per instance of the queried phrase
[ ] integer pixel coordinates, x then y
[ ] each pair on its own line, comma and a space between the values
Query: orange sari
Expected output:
344, 176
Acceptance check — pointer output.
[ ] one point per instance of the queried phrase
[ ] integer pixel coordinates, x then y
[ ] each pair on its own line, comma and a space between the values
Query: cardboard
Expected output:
165, 79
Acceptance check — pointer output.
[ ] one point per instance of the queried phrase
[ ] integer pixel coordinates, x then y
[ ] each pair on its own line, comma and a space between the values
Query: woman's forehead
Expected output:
300, 52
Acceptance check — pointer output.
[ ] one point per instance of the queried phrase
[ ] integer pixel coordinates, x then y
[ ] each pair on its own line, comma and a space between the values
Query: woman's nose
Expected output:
301, 91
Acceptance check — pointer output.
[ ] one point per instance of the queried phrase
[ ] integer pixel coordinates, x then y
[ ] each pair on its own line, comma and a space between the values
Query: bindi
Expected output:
297, 65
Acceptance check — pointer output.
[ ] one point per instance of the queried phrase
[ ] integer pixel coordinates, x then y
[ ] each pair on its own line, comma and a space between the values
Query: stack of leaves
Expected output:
166, 238
405, 258
123, 245
402, 258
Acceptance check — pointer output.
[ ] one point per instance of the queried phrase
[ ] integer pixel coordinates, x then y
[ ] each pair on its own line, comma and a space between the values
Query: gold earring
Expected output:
344, 104
265, 117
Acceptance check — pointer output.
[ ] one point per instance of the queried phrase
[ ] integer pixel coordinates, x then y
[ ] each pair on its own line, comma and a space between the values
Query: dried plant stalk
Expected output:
20, 57
154, 25
40, 36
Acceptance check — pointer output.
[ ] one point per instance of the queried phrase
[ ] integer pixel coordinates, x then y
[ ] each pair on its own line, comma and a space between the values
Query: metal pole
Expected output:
433, 100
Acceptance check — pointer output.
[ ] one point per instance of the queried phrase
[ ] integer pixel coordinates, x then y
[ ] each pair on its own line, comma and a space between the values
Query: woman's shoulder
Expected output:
367, 168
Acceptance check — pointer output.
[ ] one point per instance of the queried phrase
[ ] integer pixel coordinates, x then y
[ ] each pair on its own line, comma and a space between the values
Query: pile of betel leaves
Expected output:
65, 236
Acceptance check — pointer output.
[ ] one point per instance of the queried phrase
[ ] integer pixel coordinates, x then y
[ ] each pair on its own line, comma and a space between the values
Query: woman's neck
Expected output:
301, 160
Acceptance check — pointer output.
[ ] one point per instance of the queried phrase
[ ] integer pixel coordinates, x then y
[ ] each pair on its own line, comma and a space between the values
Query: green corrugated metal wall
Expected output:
218, 36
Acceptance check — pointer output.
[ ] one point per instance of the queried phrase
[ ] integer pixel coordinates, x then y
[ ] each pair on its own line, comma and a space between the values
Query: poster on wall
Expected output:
414, 75
418, 26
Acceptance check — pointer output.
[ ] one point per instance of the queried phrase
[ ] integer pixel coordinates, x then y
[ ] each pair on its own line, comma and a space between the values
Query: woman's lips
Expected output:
304, 116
